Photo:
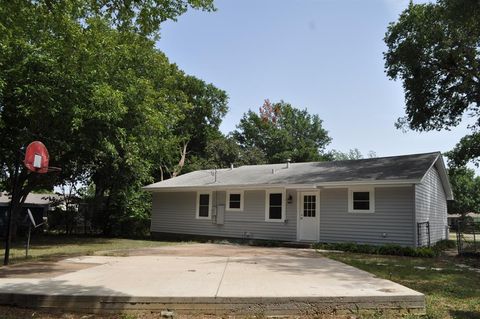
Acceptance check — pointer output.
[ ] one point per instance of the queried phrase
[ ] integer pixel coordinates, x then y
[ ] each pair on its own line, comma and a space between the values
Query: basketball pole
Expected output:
8, 237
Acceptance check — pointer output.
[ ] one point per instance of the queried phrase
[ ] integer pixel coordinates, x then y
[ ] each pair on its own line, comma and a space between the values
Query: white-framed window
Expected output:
204, 205
275, 205
361, 200
234, 201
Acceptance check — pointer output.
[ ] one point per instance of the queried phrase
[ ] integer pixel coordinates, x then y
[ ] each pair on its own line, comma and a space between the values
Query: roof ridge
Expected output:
349, 160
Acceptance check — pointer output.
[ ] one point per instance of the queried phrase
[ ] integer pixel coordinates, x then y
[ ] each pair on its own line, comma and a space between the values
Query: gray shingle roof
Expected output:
32, 199
405, 168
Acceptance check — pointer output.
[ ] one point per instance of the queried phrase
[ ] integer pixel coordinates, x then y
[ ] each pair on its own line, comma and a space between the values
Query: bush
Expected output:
389, 249
445, 244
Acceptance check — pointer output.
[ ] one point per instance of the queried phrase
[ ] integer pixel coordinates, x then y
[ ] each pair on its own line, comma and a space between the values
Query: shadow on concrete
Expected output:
41, 269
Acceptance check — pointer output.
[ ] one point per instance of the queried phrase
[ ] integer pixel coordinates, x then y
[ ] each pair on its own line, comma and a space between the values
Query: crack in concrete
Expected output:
221, 278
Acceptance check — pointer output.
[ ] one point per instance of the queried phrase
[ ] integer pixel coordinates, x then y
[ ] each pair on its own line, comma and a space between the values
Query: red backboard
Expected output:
36, 157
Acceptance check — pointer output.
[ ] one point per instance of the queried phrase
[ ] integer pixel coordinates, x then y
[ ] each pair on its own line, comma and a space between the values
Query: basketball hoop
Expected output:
36, 158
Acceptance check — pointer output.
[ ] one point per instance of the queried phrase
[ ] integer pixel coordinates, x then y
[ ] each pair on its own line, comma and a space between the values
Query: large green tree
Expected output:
85, 78
434, 50
283, 132
466, 190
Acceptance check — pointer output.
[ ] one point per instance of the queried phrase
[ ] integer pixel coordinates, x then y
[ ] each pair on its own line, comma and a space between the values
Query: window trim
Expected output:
370, 190
209, 193
227, 200
267, 205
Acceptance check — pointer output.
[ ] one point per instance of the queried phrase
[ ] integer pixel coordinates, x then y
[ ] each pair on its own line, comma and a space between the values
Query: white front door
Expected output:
308, 216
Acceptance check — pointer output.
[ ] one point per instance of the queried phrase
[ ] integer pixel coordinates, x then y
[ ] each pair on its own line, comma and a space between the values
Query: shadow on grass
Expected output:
465, 314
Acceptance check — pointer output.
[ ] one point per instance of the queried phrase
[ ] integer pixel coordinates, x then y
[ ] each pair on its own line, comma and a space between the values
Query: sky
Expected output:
322, 55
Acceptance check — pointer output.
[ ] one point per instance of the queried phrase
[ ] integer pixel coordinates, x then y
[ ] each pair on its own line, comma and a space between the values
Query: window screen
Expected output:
203, 205
275, 209
361, 200
234, 201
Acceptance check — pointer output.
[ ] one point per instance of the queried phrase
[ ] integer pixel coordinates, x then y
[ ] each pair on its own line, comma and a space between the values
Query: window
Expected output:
361, 200
204, 205
309, 205
275, 206
234, 200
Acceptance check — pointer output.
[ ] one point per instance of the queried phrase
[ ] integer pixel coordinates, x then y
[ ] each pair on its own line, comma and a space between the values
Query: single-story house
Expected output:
398, 199
39, 204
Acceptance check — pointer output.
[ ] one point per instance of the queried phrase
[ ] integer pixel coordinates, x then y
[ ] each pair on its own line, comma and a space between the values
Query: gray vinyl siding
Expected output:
394, 216
431, 205
174, 212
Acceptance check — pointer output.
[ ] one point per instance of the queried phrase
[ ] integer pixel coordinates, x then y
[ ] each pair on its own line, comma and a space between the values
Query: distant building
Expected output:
39, 204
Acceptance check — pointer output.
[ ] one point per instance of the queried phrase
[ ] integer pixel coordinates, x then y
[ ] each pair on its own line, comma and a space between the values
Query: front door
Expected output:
308, 219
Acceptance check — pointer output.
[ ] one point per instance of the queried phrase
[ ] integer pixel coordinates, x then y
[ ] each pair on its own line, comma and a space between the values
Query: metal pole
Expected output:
8, 237
28, 240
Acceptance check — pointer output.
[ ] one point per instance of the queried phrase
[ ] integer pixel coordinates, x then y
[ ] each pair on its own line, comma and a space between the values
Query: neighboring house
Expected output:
372, 201
454, 218
39, 204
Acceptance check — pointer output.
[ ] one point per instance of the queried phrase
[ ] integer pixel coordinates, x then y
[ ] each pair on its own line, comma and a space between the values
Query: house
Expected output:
399, 200
453, 219
39, 204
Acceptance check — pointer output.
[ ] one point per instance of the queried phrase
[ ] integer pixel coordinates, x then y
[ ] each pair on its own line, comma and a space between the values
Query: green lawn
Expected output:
451, 291
54, 247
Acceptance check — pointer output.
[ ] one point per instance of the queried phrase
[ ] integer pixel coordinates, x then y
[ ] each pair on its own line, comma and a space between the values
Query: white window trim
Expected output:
371, 190
227, 200
267, 205
209, 204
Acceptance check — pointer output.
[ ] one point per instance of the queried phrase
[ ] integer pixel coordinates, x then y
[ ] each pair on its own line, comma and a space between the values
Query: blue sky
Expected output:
323, 55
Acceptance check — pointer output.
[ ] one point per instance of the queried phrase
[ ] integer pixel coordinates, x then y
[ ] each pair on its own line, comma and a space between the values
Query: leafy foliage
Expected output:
105, 102
465, 187
352, 154
389, 249
283, 132
433, 49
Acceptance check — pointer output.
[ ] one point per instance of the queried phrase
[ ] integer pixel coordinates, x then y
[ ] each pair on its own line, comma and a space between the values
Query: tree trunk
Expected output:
181, 163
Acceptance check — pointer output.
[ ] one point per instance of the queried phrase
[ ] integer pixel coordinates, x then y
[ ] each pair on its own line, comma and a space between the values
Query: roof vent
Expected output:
288, 163
231, 166
273, 170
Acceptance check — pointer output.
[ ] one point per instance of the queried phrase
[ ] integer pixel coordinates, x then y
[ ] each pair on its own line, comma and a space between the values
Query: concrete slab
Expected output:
272, 280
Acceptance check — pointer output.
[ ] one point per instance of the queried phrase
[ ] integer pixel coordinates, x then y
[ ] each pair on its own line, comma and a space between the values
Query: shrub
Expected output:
389, 249
445, 244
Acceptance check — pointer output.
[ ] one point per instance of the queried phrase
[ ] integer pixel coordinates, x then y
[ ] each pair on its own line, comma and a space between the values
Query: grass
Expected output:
451, 291
53, 247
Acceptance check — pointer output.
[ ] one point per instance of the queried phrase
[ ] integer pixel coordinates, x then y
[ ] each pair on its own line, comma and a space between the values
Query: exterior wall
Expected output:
393, 216
174, 212
431, 206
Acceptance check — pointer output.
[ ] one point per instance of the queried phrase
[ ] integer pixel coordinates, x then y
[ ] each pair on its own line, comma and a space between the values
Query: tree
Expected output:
433, 49
352, 154
465, 187
283, 132
85, 78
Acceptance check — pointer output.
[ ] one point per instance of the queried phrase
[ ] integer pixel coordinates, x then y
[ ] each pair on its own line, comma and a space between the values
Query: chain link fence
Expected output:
468, 236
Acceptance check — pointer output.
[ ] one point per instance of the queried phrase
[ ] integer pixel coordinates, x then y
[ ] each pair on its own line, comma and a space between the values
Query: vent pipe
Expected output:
231, 166
288, 163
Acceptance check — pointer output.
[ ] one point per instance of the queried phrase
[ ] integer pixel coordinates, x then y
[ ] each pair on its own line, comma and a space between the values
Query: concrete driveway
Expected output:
209, 277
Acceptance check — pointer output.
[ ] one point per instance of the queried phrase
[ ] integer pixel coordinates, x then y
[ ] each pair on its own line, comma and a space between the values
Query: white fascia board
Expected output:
227, 187
286, 186
406, 182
